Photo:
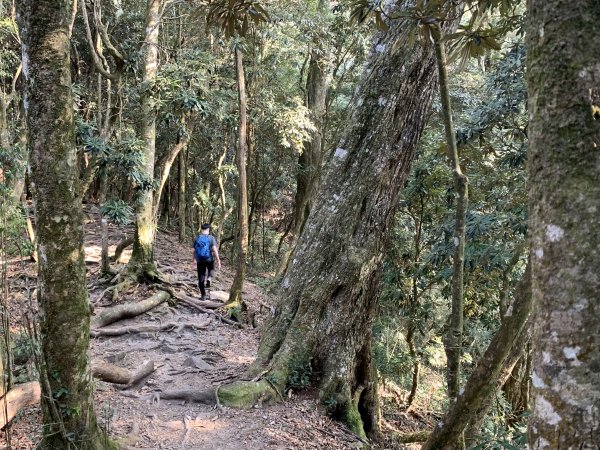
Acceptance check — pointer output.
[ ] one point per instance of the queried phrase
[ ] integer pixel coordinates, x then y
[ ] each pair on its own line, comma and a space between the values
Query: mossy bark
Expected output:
68, 411
322, 328
563, 55
141, 265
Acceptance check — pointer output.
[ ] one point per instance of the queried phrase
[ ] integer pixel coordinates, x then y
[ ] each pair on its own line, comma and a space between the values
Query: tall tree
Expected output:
142, 257
68, 412
235, 293
454, 336
329, 294
564, 198
311, 157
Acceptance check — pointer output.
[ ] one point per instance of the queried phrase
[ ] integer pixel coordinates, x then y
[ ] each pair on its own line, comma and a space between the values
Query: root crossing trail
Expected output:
191, 351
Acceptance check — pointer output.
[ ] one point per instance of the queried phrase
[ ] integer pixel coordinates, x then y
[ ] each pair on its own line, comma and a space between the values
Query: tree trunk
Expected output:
517, 387
454, 333
68, 411
564, 201
311, 158
323, 322
221, 182
236, 303
181, 197
447, 435
141, 263
473, 429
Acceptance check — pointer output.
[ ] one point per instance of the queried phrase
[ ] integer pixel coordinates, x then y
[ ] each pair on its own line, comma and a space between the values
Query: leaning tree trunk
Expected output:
236, 302
447, 435
68, 412
311, 158
564, 200
141, 263
323, 323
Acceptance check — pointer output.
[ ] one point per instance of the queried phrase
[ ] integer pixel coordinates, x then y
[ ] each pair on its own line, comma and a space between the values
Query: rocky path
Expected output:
192, 358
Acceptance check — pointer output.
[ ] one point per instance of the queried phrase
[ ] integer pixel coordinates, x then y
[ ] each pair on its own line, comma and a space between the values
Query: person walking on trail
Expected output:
206, 253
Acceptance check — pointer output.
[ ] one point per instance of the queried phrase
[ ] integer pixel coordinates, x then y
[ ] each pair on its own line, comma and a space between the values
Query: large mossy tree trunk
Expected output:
563, 55
142, 263
322, 326
236, 303
68, 412
311, 158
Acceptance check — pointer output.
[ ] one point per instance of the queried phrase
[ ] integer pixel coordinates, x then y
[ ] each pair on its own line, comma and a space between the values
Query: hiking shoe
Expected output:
208, 282
203, 298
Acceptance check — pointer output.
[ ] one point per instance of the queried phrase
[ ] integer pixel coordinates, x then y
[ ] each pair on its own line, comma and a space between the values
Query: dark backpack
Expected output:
202, 246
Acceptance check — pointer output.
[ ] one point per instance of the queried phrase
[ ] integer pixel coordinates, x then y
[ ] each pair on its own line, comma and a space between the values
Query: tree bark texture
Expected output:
323, 323
68, 412
476, 422
563, 55
454, 334
142, 257
235, 294
447, 435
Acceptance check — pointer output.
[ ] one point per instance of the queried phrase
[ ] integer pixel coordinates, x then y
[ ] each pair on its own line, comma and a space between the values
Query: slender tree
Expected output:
142, 257
563, 77
235, 293
68, 412
454, 334
311, 158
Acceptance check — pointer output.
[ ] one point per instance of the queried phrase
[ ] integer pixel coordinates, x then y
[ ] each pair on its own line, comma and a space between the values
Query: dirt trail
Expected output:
187, 359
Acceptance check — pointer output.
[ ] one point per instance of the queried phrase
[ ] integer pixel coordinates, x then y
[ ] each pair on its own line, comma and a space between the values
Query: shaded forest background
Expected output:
239, 113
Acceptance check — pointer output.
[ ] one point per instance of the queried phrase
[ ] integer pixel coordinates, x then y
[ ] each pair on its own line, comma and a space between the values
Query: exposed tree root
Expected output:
205, 397
125, 311
121, 246
118, 375
16, 399
195, 304
190, 300
247, 394
119, 331
236, 310
113, 291
407, 438
241, 394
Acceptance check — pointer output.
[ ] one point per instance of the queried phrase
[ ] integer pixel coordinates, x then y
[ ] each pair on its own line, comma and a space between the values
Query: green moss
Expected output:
246, 394
353, 420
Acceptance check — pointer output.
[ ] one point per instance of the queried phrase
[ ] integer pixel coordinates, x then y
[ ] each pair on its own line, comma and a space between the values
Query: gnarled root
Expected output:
118, 375
127, 310
246, 394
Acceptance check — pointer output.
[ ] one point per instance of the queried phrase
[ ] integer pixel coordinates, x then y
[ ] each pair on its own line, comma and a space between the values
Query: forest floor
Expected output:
190, 358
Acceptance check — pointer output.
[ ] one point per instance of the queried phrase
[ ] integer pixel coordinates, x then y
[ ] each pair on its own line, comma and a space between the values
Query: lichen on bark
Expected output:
564, 199
68, 411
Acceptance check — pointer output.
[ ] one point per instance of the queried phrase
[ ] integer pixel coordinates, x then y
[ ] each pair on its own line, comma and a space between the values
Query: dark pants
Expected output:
203, 266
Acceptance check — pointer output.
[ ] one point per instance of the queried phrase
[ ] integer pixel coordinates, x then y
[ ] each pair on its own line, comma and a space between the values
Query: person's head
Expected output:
205, 228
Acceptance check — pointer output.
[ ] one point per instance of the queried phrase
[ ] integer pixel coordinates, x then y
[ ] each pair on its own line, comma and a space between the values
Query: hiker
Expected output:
205, 254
